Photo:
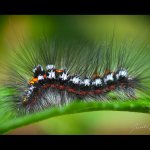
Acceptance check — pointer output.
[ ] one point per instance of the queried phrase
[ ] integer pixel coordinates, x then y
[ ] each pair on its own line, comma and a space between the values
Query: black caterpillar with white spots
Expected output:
75, 71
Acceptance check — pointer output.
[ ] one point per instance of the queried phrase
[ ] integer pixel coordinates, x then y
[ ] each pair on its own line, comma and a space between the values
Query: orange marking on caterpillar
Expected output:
44, 76
34, 80
95, 74
59, 71
107, 72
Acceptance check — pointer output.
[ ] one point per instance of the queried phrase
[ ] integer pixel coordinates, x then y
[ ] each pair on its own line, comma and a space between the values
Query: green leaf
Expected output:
142, 105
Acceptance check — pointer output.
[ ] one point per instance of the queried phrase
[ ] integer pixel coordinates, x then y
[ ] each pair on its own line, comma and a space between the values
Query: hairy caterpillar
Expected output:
55, 72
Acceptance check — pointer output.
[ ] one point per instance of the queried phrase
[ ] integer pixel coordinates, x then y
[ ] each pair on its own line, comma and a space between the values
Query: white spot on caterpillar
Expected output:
31, 88
86, 82
29, 92
34, 70
51, 75
64, 76
37, 67
122, 73
76, 80
109, 77
40, 77
50, 67
97, 82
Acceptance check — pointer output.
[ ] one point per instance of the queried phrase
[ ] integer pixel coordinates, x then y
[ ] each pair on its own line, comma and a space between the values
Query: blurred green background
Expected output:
92, 27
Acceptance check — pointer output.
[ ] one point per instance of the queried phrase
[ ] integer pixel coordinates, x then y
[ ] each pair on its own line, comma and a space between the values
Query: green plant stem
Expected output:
133, 106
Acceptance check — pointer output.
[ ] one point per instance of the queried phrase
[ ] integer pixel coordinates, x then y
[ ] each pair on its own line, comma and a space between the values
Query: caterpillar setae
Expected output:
53, 73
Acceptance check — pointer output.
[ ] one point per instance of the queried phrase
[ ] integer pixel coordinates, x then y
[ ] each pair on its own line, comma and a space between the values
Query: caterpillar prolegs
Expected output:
54, 73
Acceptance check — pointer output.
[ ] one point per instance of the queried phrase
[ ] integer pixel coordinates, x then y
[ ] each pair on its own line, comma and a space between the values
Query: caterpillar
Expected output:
53, 73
